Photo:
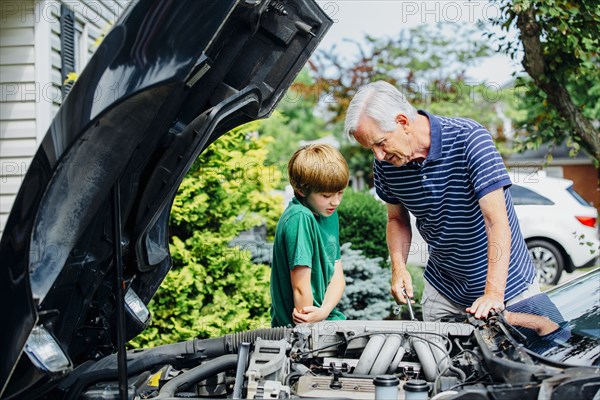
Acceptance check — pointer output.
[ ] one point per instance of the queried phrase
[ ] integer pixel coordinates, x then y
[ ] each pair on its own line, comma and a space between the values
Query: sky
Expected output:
385, 18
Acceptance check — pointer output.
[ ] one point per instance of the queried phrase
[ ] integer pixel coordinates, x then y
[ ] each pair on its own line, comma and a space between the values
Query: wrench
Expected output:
410, 310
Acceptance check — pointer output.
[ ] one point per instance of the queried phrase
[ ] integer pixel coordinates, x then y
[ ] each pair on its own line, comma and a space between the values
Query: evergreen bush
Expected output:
367, 294
363, 221
212, 288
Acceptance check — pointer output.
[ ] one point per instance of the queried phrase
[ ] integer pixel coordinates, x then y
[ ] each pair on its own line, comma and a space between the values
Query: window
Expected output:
67, 47
522, 196
577, 196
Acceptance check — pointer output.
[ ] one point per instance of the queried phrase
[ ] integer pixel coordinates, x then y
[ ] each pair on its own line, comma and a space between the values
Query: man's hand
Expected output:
398, 237
401, 279
309, 314
483, 305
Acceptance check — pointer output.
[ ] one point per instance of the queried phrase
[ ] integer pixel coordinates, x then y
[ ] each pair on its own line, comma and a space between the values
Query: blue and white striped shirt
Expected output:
443, 194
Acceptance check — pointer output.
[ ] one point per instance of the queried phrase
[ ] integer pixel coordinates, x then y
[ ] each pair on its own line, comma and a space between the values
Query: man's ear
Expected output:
402, 119
405, 122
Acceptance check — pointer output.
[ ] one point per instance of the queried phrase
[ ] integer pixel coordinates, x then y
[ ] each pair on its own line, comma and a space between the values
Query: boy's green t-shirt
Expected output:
301, 238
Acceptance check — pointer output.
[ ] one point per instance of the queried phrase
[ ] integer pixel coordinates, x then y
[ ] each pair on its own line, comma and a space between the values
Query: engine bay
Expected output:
339, 359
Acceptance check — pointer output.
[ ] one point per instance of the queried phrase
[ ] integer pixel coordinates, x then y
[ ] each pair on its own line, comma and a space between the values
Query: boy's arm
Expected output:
333, 294
542, 325
335, 289
301, 287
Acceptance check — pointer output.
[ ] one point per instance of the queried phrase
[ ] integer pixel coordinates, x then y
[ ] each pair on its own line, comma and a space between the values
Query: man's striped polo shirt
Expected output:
443, 193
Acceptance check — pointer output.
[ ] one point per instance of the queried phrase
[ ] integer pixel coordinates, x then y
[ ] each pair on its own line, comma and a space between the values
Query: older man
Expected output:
448, 173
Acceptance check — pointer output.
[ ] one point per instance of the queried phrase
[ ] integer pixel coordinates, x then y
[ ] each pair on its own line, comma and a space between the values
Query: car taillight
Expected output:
587, 221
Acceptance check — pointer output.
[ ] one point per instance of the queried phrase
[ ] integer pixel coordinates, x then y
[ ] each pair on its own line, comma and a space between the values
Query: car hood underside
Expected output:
168, 79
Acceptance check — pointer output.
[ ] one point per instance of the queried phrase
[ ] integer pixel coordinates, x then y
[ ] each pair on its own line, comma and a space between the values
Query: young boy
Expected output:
307, 280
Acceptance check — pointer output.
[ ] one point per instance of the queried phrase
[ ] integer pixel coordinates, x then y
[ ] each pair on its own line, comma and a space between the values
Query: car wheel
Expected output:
548, 261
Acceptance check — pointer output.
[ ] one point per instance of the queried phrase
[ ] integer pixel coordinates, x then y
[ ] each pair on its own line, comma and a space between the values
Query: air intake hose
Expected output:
230, 343
146, 359
197, 374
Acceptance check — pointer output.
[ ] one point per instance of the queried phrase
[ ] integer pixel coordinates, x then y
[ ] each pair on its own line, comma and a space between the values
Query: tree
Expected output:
559, 42
294, 120
427, 63
213, 288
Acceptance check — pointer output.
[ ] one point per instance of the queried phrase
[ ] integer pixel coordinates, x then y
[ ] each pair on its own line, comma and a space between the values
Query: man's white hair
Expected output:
379, 101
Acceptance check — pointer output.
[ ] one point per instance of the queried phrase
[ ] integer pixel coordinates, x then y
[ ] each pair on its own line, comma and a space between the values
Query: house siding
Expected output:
30, 76
17, 99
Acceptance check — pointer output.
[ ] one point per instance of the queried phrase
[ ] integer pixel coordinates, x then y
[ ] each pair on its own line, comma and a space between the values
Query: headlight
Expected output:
136, 306
45, 352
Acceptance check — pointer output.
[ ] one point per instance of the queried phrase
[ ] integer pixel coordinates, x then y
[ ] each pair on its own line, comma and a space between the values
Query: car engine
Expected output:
339, 359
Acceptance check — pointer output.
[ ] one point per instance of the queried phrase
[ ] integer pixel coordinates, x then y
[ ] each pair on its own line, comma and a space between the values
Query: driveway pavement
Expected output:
565, 277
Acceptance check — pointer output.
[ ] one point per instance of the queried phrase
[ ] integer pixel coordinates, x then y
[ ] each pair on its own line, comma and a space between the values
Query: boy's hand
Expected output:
308, 314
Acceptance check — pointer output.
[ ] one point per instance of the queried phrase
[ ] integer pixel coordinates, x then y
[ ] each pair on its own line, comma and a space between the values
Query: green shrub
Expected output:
212, 288
367, 294
362, 222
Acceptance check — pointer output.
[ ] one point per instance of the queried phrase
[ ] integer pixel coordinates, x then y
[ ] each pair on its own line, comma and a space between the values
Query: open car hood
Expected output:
169, 79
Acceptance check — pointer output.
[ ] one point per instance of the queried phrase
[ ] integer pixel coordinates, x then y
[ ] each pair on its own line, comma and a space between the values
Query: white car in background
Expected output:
559, 226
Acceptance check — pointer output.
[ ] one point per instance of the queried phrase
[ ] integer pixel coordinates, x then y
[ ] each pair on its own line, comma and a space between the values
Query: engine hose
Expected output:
146, 359
441, 359
197, 374
230, 343
443, 362
461, 375
292, 375
242, 363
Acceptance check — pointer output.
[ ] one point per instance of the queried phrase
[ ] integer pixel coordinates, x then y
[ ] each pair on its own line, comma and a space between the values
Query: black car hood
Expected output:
169, 78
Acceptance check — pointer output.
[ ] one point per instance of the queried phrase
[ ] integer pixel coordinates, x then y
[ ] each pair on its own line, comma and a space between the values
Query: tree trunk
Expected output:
535, 63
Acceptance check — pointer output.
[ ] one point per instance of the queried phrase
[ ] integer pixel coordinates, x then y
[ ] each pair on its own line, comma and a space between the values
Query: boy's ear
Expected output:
300, 192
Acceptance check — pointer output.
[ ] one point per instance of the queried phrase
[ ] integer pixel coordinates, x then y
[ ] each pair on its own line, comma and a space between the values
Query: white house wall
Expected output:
30, 76
18, 98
